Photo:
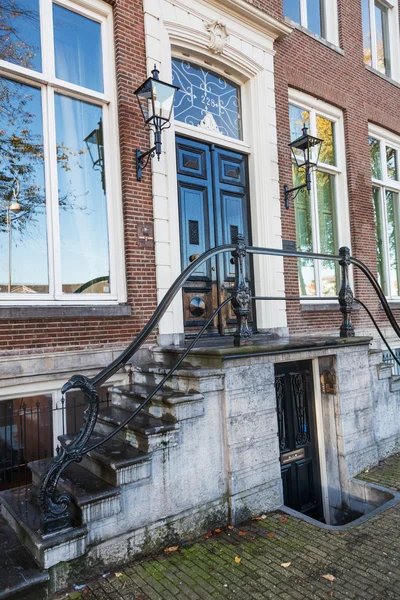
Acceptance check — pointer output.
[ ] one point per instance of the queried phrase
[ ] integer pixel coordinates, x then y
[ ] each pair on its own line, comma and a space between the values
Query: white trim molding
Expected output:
181, 29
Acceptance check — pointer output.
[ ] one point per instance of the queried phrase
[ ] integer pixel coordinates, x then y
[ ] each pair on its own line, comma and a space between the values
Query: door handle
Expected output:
193, 257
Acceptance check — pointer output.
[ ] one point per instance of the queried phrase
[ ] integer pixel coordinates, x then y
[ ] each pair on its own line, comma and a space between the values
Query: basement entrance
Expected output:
298, 438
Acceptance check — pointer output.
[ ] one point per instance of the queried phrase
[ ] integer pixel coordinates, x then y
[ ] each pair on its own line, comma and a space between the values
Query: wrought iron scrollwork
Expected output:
280, 396
346, 296
241, 294
54, 507
299, 389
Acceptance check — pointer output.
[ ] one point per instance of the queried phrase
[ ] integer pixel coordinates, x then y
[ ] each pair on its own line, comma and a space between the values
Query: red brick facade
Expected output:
318, 70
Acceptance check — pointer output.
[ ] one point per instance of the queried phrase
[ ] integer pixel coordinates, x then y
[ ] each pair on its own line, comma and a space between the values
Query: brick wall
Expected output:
305, 64
71, 333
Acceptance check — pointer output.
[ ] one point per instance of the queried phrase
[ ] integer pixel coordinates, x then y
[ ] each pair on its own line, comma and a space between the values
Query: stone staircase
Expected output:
106, 487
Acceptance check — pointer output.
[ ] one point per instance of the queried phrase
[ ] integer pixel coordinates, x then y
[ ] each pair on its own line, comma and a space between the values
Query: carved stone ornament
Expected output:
219, 35
208, 122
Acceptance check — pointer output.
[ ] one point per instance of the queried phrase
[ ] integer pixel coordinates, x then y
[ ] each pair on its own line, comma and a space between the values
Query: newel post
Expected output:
346, 296
241, 294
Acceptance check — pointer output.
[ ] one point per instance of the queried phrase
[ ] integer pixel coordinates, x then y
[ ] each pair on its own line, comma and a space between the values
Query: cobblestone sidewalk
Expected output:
278, 556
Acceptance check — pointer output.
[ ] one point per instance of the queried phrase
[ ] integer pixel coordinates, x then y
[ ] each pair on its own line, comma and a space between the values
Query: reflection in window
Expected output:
23, 245
308, 13
291, 9
20, 33
393, 249
375, 154
315, 211
376, 42
379, 237
82, 201
206, 100
391, 163
77, 46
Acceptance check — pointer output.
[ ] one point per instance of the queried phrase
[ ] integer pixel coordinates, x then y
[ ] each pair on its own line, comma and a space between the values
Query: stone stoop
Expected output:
187, 379
384, 371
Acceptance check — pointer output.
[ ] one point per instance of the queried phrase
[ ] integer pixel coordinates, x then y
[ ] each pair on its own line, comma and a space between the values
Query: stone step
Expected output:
20, 576
145, 432
20, 510
189, 380
385, 371
374, 357
394, 383
94, 498
115, 461
166, 404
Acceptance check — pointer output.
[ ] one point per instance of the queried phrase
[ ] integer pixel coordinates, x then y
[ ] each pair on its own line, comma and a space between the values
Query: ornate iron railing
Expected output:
54, 506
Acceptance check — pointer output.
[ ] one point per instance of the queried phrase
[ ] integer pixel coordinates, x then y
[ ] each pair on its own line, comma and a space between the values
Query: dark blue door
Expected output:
213, 207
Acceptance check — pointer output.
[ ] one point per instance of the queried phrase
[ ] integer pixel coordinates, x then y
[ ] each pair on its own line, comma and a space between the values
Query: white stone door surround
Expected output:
235, 39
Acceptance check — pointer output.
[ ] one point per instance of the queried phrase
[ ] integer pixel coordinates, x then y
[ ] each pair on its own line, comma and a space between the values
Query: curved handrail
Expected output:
53, 508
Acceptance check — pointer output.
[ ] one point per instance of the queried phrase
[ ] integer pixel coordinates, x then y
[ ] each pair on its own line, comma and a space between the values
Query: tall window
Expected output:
309, 13
55, 151
376, 19
316, 213
384, 152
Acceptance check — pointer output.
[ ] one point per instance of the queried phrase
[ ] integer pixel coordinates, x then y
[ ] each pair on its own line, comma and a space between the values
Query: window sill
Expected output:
393, 304
324, 306
61, 312
382, 76
314, 36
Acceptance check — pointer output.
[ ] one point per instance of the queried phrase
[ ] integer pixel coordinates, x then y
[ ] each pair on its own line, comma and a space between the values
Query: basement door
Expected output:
298, 438
213, 208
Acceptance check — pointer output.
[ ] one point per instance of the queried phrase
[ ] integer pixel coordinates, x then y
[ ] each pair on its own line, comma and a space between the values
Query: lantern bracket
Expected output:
296, 189
142, 160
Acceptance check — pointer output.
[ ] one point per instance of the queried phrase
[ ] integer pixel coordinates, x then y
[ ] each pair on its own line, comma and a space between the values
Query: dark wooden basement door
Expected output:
298, 437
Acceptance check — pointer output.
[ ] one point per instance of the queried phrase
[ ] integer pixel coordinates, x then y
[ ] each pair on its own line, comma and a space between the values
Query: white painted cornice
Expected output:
252, 16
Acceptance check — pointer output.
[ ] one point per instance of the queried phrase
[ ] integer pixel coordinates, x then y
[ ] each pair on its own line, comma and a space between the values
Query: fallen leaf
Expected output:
260, 518
118, 574
208, 535
217, 530
252, 539
237, 559
271, 535
283, 520
286, 565
212, 568
171, 549
230, 527
330, 594
242, 532
329, 577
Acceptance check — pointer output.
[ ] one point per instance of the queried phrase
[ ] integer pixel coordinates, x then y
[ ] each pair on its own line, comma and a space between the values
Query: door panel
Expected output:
298, 437
213, 207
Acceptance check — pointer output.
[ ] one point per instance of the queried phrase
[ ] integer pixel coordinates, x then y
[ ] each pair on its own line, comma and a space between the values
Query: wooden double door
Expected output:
298, 438
213, 207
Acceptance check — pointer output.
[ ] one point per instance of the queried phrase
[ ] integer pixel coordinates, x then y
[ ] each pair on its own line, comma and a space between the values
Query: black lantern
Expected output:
95, 145
156, 101
305, 150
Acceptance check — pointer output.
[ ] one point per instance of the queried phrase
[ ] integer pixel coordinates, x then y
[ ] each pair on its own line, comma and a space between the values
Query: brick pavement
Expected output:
246, 564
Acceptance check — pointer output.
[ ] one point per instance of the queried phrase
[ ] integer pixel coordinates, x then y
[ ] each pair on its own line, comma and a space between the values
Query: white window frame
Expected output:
329, 15
386, 138
394, 37
47, 82
341, 213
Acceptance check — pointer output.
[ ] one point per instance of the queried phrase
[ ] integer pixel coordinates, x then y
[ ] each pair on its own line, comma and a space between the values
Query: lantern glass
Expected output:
94, 144
156, 100
306, 150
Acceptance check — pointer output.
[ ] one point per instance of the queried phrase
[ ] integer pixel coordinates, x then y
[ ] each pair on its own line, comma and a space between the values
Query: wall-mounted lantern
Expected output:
156, 101
95, 145
305, 151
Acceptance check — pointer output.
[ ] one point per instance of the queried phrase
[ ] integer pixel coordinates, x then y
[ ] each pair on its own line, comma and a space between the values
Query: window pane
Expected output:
325, 199
20, 33
77, 47
206, 100
82, 200
375, 152
302, 208
391, 206
23, 244
314, 16
382, 38
291, 9
391, 161
366, 26
298, 118
325, 131
379, 236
